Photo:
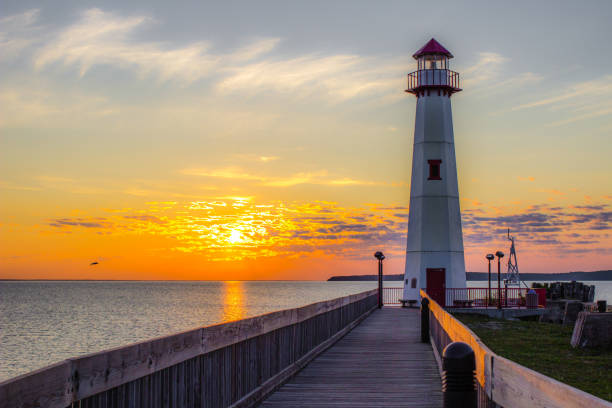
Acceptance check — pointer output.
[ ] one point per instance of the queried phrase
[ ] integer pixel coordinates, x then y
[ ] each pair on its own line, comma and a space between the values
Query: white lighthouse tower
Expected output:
434, 252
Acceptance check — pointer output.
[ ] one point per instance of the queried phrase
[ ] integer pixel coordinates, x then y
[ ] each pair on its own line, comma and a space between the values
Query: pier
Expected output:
343, 352
380, 363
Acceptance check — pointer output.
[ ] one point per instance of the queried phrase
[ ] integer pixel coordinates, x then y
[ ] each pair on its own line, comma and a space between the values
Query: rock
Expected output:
554, 312
571, 290
590, 294
592, 330
572, 308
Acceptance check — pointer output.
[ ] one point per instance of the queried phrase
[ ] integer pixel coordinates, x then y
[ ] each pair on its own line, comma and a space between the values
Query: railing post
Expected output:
458, 376
425, 320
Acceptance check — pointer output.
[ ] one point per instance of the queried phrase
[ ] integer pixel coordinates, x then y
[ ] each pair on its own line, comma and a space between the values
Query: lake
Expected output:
42, 322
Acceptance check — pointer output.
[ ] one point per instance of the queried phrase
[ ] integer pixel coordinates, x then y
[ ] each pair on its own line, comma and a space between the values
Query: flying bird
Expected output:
93, 263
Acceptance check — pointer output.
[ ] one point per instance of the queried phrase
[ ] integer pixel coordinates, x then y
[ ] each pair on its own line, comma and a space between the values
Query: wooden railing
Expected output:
230, 364
499, 380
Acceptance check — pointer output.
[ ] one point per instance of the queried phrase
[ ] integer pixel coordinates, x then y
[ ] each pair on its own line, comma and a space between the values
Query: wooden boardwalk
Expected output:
380, 363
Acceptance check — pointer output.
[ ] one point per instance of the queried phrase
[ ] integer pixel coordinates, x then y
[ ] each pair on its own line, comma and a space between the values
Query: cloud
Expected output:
16, 32
320, 177
80, 222
147, 218
542, 227
7, 185
340, 77
249, 52
580, 101
227, 172
529, 178
293, 229
103, 38
487, 67
29, 103
266, 159
488, 76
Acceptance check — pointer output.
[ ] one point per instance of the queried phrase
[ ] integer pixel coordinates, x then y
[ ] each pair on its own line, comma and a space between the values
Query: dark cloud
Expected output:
77, 222
591, 207
149, 218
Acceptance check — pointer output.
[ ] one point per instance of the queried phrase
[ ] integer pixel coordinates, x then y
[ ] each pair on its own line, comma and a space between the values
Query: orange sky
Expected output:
165, 143
242, 238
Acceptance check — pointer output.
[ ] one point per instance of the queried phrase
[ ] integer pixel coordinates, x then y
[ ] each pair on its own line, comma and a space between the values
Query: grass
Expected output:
545, 347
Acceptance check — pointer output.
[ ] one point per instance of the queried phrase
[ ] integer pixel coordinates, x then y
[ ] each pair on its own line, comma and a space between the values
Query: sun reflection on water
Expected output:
233, 301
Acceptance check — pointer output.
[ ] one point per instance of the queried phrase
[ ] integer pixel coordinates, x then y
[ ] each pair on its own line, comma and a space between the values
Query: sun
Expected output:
235, 237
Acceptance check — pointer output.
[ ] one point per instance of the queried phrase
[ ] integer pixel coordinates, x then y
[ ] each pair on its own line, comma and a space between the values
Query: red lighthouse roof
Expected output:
432, 47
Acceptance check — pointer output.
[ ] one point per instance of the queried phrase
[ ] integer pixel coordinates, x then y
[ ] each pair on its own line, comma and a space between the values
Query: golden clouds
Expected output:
321, 177
235, 228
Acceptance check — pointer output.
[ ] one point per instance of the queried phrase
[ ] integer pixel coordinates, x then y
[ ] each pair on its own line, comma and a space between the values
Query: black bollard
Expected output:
458, 376
602, 306
425, 320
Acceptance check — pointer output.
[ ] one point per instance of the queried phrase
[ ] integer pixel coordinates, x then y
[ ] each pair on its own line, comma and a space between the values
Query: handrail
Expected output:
236, 362
430, 78
500, 380
392, 295
512, 297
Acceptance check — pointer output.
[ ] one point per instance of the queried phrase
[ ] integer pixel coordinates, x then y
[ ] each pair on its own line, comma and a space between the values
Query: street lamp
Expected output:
499, 255
380, 256
490, 257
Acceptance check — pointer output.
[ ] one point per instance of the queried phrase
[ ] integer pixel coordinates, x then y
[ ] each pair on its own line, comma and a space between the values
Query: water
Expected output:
47, 321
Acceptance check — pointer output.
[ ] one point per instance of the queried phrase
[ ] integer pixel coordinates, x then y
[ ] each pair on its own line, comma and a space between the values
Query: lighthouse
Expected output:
434, 250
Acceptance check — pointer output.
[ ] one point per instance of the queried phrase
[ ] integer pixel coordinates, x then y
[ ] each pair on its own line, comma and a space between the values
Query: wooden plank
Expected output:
48, 387
517, 386
275, 381
379, 363
102, 371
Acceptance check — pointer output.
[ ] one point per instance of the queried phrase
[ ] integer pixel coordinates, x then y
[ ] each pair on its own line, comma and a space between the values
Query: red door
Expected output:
436, 285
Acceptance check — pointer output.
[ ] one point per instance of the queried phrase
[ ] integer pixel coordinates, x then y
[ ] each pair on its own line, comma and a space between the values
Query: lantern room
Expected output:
433, 71
432, 62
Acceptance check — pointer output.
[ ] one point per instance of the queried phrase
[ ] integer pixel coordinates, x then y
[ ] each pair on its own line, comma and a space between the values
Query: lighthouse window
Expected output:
430, 62
434, 169
413, 283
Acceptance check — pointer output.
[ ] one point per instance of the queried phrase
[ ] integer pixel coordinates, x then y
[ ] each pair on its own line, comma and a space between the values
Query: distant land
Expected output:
483, 276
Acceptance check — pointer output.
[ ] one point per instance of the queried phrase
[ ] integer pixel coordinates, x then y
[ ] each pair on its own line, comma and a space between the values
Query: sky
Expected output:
273, 139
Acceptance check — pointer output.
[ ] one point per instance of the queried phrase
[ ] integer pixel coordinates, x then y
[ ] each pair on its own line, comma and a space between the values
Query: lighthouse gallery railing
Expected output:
433, 78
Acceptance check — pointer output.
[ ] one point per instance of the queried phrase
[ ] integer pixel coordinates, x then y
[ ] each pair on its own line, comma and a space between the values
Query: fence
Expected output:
230, 364
482, 298
391, 296
500, 381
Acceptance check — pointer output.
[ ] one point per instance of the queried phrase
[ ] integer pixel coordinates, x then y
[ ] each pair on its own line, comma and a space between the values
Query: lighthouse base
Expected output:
433, 272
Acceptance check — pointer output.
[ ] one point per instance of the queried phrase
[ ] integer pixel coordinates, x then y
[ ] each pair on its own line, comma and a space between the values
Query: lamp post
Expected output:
380, 256
490, 257
499, 255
